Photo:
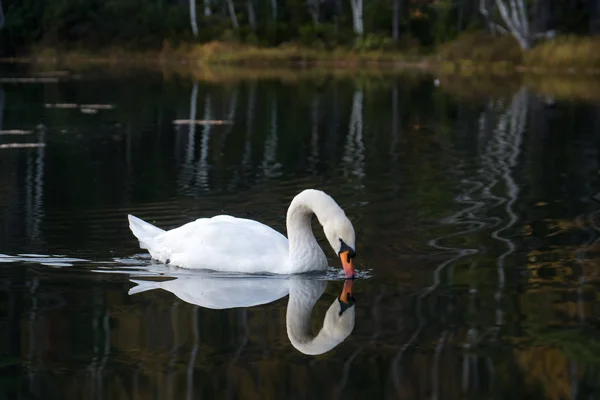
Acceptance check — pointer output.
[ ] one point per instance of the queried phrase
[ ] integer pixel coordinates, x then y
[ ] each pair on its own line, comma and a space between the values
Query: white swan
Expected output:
225, 243
223, 293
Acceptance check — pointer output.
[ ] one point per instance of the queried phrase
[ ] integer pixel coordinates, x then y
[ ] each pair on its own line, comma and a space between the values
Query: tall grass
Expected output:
471, 53
480, 48
566, 53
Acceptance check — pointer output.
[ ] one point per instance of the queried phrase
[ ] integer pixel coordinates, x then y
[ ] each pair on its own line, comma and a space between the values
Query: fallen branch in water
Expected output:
201, 122
21, 145
83, 106
61, 105
15, 132
28, 80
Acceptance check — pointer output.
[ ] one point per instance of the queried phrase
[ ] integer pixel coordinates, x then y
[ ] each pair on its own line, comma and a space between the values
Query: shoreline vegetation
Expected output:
474, 65
470, 53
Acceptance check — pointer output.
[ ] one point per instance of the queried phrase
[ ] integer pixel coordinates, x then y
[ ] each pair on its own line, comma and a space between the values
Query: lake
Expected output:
476, 217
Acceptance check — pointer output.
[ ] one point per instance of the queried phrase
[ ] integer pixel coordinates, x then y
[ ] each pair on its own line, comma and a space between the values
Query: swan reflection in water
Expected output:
233, 292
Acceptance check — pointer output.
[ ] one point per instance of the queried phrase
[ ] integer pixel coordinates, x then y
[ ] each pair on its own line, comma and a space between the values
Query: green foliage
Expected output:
148, 24
374, 42
131, 23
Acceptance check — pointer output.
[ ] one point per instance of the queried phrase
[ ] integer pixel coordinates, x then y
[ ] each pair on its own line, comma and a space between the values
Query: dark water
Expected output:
476, 219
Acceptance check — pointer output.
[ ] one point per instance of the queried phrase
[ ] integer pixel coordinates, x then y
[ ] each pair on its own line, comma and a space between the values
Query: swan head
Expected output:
336, 225
338, 323
340, 235
339, 319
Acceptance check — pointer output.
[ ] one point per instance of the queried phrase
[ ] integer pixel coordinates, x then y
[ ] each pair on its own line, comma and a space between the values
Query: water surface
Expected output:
476, 220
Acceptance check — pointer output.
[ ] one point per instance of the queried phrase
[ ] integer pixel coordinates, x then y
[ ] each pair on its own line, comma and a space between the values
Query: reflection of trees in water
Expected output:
33, 184
270, 167
250, 111
313, 158
1, 108
500, 138
441, 366
34, 200
240, 161
202, 166
499, 160
354, 149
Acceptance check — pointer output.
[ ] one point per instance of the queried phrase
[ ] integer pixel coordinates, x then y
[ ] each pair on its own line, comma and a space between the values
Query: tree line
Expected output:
376, 24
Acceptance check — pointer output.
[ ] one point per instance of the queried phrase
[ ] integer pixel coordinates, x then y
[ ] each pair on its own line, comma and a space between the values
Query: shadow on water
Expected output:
476, 219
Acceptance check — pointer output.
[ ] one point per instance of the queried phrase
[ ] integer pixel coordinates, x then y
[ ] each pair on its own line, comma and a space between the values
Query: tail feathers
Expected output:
143, 286
144, 231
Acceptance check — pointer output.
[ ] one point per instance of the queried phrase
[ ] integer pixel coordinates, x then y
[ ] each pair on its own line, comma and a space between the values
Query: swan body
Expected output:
219, 293
229, 244
225, 293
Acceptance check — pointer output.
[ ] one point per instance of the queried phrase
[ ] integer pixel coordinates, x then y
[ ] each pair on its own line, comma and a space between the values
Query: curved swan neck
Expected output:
303, 297
298, 317
302, 242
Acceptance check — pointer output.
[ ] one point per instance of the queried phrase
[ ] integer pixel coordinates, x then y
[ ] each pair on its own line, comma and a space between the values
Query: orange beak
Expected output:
346, 295
347, 264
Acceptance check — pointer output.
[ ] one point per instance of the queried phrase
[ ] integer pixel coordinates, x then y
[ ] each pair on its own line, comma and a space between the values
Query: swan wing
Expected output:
224, 243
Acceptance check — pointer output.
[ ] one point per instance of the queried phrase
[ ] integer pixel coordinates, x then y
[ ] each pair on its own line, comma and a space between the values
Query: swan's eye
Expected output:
344, 247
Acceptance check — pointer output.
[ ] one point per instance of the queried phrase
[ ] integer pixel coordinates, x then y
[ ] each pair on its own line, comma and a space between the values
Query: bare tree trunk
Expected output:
338, 13
396, 21
357, 16
593, 12
251, 15
461, 12
193, 17
313, 6
207, 10
542, 16
274, 9
1, 15
231, 9
515, 18
1, 107
484, 9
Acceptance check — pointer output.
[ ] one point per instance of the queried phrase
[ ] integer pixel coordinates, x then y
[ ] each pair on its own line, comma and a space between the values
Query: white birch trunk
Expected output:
274, 9
193, 17
515, 17
1, 107
484, 10
207, 10
231, 8
251, 15
357, 16
313, 6
396, 21
1, 15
